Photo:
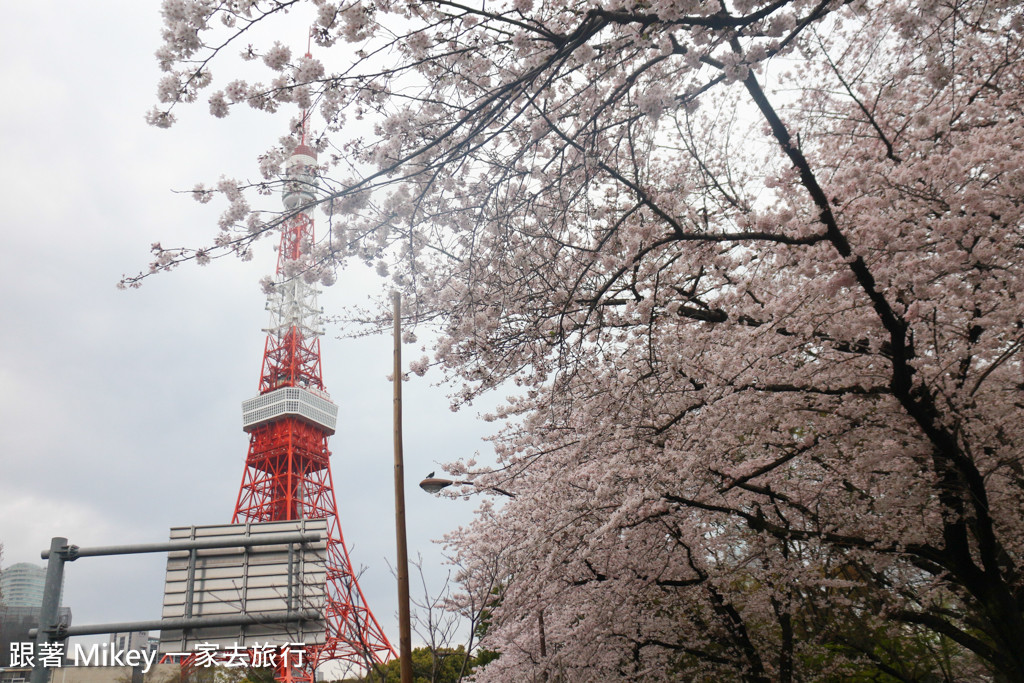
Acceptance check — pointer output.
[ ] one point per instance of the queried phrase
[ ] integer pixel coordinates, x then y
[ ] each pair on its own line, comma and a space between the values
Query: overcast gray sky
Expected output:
120, 411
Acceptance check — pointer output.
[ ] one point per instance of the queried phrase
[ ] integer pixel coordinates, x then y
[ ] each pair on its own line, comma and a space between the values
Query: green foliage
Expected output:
264, 675
484, 657
443, 665
221, 674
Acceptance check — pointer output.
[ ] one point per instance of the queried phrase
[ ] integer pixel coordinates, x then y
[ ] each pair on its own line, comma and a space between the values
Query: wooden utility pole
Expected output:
404, 625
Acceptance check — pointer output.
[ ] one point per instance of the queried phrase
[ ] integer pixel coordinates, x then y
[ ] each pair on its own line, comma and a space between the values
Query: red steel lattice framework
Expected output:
287, 470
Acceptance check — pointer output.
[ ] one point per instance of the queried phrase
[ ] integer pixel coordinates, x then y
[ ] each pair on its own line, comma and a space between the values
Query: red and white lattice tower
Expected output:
287, 470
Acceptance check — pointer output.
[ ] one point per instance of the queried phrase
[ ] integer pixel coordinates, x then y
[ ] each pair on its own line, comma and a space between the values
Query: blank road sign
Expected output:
258, 580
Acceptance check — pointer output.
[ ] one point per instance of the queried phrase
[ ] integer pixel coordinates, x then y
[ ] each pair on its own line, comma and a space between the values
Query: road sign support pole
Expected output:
51, 602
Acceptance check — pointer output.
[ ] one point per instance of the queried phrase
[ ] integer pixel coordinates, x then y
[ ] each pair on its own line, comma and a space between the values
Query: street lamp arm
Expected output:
501, 491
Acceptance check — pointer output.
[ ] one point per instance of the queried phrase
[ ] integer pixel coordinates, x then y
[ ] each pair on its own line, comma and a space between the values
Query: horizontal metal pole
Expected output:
188, 544
190, 623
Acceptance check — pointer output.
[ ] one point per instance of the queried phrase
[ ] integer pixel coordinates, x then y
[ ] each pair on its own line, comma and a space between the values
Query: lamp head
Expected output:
434, 485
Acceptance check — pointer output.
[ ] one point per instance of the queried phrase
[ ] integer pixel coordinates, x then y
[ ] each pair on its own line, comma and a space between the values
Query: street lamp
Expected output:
434, 485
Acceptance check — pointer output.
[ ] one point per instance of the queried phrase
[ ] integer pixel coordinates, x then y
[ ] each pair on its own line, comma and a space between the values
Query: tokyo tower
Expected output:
287, 470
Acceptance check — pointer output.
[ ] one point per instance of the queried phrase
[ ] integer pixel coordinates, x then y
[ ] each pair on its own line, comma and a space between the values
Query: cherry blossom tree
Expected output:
753, 271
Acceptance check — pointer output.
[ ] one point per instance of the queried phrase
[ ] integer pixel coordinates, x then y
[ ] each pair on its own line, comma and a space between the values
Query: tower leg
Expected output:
293, 667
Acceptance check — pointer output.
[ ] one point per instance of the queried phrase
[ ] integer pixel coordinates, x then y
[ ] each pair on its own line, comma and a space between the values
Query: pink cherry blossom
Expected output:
751, 275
